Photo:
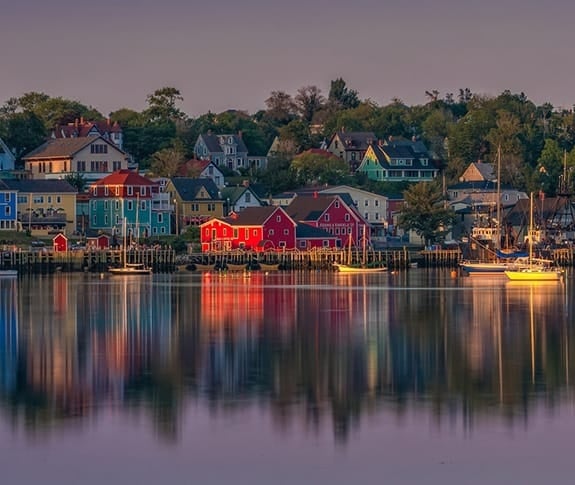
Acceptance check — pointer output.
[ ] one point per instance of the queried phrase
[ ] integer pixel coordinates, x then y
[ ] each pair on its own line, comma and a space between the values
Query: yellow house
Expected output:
195, 200
45, 206
93, 157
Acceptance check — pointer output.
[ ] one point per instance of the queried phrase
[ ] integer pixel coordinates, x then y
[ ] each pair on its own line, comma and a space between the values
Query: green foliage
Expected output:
316, 168
424, 212
165, 162
22, 132
278, 176
76, 180
162, 106
341, 97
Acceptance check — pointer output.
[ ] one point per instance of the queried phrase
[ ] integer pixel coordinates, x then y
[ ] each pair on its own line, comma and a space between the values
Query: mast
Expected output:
531, 229
498, 197
125, 255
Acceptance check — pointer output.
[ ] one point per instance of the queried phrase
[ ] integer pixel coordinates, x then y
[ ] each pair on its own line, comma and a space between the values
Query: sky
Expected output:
230, 54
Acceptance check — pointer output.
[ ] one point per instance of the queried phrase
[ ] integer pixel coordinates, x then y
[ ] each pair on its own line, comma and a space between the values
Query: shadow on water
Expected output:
311, 349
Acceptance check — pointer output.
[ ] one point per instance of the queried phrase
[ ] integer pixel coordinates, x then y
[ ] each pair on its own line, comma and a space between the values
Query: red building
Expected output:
60, 243
254, 228
331, 213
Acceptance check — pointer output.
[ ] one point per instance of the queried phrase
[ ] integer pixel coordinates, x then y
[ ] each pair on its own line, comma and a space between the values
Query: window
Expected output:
255, 232
58, 199
105, 204
22, 199
130, 205
94, 221
377, 216
106, 220
143, 205
278, 219
424, 162
81, 166
325, 243
336, 144
142, 190
301, 244
117, 204
326, 218
160, 217
247, 234
337, 204
235, 233
130, 190
117, 190
353, 155
163, 230
7, 210
346, 218
38, 199
376, 202
282, 244
6, 197
98, 148
225, 232
116, 165
271, 232
106, 190
366, 216
366, 202
286, 232
248, 197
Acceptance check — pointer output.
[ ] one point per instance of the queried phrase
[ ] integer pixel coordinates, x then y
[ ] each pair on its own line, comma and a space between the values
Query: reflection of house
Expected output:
93, 157
7, 158
255, 228
351, 146
195, 200
130, 196
8, 207
45, 206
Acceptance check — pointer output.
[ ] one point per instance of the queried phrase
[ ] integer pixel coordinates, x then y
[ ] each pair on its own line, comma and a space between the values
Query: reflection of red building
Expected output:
254, 228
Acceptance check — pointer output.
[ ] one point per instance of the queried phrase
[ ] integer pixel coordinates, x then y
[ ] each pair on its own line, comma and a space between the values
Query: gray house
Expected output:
224, 150
7, 158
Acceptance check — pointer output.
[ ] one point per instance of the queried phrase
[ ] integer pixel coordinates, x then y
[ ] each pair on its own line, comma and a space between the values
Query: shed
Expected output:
101, 241
60, 243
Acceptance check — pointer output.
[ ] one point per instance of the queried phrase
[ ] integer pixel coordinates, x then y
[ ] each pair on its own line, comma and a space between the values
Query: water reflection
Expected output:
314, 348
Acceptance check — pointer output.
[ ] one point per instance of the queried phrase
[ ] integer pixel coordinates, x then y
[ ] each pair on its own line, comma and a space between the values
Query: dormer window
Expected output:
230, 140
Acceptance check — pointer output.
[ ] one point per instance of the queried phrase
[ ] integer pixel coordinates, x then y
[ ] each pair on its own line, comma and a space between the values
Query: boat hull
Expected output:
344, 268
534, 275
8, 273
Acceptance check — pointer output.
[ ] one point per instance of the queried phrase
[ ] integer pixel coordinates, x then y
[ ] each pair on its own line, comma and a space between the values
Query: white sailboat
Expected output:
129, 268
361, 268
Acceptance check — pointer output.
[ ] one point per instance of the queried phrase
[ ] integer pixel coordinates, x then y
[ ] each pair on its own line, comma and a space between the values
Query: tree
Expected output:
309, 101
281, 108
278, 176
165, 162
549, 168
341, 97
22, 132
424, 213
76, 180
297, 133
162, 105
319, 167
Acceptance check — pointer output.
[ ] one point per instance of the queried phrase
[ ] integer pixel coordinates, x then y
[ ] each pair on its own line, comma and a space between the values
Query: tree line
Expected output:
536, 141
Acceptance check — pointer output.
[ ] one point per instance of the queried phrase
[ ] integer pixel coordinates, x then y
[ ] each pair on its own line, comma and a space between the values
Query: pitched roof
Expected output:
40, 186
355, 140
65, 147
188, 188
234, 193
252, 216
193, 166
81, 128
308, 208
124, 177
486, 170
213, 142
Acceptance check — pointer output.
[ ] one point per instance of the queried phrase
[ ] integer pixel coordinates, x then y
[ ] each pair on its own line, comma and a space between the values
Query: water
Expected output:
415, 377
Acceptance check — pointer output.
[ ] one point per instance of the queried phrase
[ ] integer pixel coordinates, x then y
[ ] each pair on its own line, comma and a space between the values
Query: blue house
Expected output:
8, 208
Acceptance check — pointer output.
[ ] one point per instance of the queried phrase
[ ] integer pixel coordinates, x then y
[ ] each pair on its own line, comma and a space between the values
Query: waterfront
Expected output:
285, 377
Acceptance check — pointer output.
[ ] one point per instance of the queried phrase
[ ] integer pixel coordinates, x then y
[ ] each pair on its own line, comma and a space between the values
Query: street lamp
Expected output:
176, 216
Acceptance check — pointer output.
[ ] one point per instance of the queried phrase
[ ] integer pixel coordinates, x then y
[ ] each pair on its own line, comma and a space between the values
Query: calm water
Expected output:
414, 377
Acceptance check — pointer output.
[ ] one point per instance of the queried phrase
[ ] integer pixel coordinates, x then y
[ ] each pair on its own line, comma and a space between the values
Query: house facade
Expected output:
351, 146
7, 158
8, 208
45, 206
331, 214
373, 207
239, 198
397, 162
228, 150
310, 238
255, 228
206, 169
194, 200
110, 130
93, 157
126, 195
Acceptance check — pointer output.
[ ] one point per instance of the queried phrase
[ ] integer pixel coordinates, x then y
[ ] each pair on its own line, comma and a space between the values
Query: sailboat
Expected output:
537, 269
505, 261
361, 268
129, 268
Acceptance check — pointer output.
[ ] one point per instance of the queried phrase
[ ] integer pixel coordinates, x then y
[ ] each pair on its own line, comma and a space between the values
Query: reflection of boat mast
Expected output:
532, 330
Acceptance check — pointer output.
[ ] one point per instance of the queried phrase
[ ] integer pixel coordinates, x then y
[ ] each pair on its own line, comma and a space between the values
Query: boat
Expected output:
203, 267
363, 267
536, 269
129, 268
269, 267
8, 273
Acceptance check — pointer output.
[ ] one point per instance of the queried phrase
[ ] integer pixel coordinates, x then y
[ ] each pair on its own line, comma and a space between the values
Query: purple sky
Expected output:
231, 53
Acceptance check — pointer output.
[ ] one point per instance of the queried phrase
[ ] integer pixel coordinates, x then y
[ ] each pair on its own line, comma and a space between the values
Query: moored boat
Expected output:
131, 269
8, 273
345, 268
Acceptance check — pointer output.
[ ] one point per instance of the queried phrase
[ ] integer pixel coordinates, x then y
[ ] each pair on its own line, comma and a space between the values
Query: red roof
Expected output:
81, 128
125, 177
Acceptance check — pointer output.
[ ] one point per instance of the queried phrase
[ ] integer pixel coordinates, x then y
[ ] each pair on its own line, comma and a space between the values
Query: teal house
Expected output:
127, 199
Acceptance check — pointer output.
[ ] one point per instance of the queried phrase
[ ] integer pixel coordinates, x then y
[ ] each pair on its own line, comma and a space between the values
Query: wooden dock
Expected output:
46, 261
